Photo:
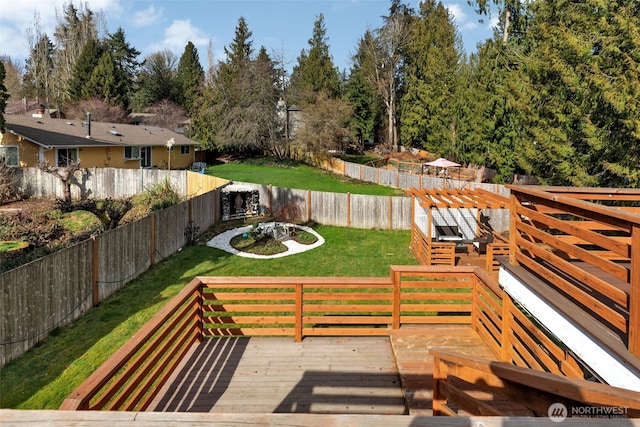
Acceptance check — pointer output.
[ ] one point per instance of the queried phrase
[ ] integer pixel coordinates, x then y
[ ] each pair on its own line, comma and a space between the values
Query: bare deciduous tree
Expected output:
7, 183
65, 174
100, 111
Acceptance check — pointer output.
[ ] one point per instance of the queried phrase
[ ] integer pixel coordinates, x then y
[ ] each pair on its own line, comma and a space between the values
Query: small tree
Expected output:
325, 127
65, 174
7, 183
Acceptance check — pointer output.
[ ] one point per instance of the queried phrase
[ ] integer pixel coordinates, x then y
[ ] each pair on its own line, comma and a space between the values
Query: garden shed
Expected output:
444, 220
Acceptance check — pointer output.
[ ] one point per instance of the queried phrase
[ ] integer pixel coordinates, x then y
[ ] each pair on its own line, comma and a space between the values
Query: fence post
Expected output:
348, 209
298, 310
634, 293
95, 271
152, 239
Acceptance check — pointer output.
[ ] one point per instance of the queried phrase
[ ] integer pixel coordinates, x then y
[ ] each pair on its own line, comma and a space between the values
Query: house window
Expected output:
184, 149
66, 156
132, 152
9, 156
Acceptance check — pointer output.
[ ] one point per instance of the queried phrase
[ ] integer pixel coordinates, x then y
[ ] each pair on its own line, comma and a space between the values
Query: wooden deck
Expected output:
345, 375
342, 375
411, 347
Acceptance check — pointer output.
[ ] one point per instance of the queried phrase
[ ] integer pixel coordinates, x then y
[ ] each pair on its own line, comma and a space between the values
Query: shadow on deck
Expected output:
322, 375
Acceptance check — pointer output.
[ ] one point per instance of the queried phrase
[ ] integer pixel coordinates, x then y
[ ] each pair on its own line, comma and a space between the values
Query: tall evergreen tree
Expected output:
189, 78
430, 74
74, 29
240, 51
86, 63
107, 83
315, 71
582, 90
156, 80
126, 62
220, 118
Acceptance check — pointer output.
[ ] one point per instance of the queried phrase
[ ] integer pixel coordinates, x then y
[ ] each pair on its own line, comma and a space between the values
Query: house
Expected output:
29, 141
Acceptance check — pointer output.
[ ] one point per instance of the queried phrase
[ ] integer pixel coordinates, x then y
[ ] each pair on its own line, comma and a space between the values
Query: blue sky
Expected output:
282, 26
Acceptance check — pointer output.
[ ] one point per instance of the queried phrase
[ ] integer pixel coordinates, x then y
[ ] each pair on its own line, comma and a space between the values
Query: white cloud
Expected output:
18, 16
456, 11
147, 17
178, 34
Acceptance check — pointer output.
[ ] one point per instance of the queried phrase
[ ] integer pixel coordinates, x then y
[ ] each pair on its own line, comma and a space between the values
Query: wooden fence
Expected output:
405, 180
101, 183
339, 209
59, 288
311, 306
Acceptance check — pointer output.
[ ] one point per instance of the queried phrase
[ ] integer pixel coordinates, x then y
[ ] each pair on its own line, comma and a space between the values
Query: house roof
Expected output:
49, 132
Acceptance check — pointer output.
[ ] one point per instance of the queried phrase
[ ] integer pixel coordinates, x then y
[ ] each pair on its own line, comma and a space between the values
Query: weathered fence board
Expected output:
170, 227
205, 209
100, 183
42, 295
329, 208
123, 254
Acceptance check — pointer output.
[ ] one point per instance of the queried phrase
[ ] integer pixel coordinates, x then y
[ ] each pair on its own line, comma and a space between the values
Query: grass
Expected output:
45, 375
12, 245
296, 175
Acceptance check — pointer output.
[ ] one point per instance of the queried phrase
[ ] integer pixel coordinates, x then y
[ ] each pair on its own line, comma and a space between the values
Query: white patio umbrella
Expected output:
443, 163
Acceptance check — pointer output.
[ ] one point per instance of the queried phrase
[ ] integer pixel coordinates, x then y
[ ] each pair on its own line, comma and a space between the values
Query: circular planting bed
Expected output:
267, 240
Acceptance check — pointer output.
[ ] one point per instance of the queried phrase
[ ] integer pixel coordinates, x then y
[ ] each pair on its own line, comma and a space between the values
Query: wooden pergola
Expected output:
427, 250
457, 199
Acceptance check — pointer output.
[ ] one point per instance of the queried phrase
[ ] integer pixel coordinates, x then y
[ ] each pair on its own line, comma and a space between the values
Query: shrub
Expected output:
160, 196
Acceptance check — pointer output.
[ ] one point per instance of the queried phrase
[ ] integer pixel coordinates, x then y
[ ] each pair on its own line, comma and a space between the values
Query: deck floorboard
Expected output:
411, 347
341, 375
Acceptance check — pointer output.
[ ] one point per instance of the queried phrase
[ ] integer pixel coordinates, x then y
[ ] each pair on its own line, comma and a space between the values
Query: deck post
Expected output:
513, 231
634, 294
298, 310
507, 305
200, 311
395, 278
439, 374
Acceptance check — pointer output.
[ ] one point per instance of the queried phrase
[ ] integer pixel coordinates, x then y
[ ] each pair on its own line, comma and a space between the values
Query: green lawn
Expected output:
44, 376
296, 175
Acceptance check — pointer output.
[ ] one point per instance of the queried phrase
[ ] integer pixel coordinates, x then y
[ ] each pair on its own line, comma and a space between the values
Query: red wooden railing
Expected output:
311, 306
581, 241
